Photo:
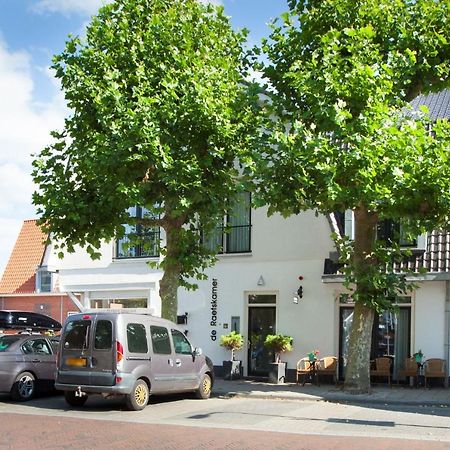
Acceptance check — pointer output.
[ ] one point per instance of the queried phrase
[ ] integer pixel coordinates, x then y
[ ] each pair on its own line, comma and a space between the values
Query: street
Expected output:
221, 423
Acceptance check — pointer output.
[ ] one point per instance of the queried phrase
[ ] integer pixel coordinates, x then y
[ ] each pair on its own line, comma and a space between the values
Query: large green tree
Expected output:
341, 75
159, 118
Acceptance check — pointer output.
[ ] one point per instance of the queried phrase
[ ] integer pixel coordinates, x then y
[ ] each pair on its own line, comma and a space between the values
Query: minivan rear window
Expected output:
137, 338
160, 340
103, 335
77, 335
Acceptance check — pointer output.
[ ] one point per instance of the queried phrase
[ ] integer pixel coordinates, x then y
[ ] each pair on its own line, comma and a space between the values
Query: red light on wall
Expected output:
300, 277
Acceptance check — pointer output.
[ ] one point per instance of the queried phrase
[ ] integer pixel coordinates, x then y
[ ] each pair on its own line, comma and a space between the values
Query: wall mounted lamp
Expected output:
298, 294
261, 281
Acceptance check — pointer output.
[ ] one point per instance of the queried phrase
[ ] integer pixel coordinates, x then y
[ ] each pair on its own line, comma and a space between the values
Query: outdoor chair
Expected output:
327, 366
305, 369
435, 368
382, 368
410, 370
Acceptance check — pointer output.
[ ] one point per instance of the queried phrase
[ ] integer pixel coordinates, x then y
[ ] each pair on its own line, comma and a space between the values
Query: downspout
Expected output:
447, 325
77, 302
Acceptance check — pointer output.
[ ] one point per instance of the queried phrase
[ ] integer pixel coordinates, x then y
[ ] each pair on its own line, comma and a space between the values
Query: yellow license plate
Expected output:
78, 362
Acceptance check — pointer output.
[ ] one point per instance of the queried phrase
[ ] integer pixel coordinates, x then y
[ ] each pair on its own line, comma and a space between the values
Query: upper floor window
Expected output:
139, 240
390, 231
43, 280
233, 234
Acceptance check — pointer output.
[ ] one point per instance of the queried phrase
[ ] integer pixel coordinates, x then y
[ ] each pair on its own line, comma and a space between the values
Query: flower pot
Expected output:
277, 372
232, 370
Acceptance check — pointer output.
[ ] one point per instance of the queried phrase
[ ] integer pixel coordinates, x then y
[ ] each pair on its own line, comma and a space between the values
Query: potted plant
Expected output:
278, 344
233, 341
418, 356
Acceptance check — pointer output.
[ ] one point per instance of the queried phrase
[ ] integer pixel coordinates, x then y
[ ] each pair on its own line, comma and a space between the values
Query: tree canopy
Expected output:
341, 73
160, 116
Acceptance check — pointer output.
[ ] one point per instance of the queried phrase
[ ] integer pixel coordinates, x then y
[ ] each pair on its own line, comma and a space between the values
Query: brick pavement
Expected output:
34, 432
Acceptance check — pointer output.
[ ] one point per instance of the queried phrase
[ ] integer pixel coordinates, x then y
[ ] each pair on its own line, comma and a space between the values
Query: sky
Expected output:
31, 102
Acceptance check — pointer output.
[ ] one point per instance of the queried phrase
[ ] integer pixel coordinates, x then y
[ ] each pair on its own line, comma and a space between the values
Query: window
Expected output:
139, 241
137, 338
103, 335
40, 347
77, 335
388, 230
233, 234
6, 341
391, 231
43, 280
160, 340
180, 343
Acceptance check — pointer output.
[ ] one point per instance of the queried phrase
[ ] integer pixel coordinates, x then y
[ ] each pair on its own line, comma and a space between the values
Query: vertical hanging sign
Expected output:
213, 322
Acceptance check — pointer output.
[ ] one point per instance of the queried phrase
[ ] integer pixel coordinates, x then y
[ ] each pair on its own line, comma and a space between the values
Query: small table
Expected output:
312, 372
420, 374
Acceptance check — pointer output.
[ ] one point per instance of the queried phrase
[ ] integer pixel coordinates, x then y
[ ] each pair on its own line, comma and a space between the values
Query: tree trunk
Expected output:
170, 281
357, 374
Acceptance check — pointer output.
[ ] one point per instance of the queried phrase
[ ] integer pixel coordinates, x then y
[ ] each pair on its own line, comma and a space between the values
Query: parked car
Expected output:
119, 352
27, 364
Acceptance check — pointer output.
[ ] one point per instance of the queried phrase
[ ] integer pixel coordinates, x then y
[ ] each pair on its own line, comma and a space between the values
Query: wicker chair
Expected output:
435, 368
327, 366
382, 368
305, 370
410, 370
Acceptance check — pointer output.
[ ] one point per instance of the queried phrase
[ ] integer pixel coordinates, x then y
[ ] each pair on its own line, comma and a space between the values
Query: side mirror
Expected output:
197, 351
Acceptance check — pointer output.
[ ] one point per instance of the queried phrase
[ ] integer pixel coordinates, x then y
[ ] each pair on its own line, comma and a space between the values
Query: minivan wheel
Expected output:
204, 390
138, 398
73, 400
24, 387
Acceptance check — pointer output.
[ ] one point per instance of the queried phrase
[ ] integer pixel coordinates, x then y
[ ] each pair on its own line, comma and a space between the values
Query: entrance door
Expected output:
261, 322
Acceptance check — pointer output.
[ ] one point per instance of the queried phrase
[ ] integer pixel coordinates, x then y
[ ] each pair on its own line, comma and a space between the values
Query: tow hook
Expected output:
79, 392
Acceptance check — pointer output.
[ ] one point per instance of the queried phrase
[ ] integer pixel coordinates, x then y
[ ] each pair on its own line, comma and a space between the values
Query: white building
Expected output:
254, 289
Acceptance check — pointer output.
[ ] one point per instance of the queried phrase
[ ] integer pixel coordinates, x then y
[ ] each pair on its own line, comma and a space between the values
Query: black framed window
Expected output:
139, 241
233, 234
393, 231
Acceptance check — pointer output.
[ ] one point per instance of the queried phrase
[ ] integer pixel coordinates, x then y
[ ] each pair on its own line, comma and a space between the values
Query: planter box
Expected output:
277, 373
232, 370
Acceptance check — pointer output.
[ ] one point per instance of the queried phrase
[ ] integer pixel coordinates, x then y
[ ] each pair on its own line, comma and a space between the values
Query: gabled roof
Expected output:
438, 103
20, 273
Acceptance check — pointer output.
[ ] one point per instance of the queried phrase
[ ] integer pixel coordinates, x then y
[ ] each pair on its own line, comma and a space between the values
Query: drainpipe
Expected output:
447, 324
77, 302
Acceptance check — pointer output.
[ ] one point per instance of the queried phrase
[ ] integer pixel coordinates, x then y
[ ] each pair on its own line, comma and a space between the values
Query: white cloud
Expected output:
24, 130
68, 7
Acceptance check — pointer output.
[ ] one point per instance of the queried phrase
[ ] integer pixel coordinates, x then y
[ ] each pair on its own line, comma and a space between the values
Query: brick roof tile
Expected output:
20, 272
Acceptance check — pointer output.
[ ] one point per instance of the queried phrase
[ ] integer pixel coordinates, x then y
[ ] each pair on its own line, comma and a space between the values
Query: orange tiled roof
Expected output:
27, 254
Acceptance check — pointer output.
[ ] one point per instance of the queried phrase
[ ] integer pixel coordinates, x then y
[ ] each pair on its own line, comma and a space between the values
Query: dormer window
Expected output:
43, 280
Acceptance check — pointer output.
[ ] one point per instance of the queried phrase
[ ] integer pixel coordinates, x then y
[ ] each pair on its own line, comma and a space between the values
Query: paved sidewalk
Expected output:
400, 395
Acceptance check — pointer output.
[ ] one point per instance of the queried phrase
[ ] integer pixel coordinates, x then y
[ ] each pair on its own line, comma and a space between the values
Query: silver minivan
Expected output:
122, 352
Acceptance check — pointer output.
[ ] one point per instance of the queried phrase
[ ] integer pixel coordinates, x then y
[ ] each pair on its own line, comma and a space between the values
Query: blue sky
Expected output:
31, 104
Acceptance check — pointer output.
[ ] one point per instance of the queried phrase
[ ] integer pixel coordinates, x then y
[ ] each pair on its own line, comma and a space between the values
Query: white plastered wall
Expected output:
428, 325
